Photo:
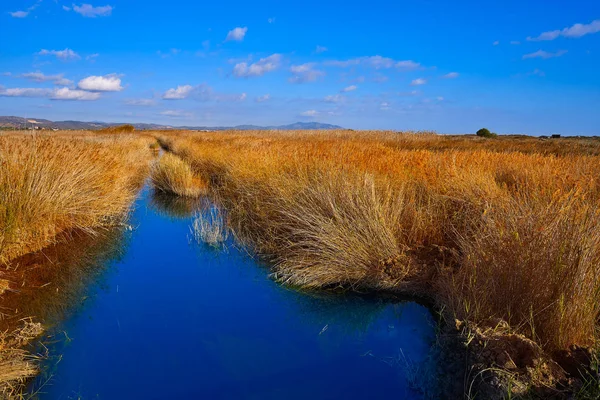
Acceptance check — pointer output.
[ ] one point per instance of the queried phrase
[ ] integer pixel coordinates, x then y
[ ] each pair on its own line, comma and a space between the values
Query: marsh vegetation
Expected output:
501, 237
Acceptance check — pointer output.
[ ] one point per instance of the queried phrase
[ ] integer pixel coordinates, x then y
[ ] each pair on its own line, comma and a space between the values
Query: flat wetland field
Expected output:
187, 263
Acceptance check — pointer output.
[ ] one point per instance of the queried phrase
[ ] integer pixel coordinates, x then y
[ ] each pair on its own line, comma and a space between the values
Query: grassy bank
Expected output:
497, 232
54, 188
53, 184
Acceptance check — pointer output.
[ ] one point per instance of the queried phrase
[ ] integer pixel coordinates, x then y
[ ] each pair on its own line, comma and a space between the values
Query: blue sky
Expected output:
453, 67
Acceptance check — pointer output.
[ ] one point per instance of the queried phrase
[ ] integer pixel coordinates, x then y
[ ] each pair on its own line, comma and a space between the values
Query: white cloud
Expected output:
25, 92
179, 93
320, 49
310, 113
25, 13
407, 64
55, 94
305, 73
19, 14
496, 43
336, 98
575, 31
377, 62
201, 92
271, 20
350, 88
236, 34
73, 94
92, 57
176, 114
57, 79
261, 99
141, 102
106, 83
451, 75
66, 8
259, 68
384, 106
64, 55
544, 54
89, 11
418, 82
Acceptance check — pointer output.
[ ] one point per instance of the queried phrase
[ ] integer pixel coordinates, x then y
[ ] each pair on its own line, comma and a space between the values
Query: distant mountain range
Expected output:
18, 122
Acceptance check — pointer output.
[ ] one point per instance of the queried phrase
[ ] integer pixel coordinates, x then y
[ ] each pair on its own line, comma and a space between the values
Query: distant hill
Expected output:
23, 123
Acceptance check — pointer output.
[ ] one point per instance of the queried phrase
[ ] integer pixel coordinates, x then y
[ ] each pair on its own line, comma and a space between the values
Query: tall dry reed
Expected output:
50, 185
504, 229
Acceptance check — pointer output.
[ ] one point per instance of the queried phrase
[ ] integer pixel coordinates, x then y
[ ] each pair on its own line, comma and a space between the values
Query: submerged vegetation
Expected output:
502, 233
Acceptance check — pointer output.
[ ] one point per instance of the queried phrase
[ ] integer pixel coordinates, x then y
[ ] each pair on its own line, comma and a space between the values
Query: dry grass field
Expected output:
494, 231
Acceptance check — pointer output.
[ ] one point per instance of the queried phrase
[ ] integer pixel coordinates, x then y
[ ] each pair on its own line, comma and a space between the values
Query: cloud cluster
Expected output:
418, 82
178, 93
376, 62
544, 54
89, 88
64, 93
25, 13
201, 93
259, 68
305, 73
236, 34
89, 11
39, 77
106, 83
64, 55
73, 94
575, 31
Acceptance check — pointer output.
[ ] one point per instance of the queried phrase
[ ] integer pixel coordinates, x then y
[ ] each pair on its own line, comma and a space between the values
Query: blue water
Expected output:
175, 319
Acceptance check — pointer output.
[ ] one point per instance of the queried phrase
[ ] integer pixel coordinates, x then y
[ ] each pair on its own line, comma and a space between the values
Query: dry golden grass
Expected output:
52, 184
171, 174
118, 129
490, 229
53, 187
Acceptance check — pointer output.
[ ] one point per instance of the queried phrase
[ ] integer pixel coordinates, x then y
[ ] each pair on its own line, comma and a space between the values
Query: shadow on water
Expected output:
174, 206
177, 319
48, 284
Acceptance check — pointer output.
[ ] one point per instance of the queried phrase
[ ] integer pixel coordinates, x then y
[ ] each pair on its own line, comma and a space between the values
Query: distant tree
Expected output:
484, 132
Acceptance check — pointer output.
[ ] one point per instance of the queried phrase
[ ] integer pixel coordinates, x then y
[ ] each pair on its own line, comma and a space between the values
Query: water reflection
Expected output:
47, 284
181, 320
173, 206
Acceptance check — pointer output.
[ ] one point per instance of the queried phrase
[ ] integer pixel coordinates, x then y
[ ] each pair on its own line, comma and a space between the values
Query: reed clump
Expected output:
171, 174
49, 185
209, 227
502, 230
